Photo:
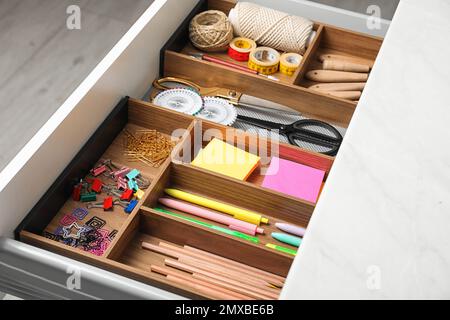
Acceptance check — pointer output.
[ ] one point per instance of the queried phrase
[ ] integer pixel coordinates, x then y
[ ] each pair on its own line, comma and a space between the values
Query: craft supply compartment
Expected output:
338, 63
177, 60
59, 210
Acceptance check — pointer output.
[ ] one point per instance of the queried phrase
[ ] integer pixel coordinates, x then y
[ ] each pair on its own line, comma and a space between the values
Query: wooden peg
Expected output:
358, 60
340, 65
343, 86
350, 95
335, 76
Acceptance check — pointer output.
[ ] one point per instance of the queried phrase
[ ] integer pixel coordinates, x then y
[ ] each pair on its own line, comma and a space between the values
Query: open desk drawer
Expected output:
129, 69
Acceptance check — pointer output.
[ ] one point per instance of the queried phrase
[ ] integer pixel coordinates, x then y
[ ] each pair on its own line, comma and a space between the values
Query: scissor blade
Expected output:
262, 104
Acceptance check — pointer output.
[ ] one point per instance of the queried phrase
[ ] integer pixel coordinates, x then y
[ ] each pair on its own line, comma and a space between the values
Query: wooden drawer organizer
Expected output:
124, 254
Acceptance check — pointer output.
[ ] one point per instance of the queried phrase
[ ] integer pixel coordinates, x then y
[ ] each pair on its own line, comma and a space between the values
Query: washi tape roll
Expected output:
264, 60
240, 48
289, 62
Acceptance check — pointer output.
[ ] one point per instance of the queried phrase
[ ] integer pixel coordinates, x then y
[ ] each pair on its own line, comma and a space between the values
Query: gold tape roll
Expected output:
264, 60
289, 62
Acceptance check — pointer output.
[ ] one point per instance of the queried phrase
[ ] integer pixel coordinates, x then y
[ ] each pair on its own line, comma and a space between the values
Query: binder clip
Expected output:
97, 185
127, 195
88, 197
106, 205
98, 170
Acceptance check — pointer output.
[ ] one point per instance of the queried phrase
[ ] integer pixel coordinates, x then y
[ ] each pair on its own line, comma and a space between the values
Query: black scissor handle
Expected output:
299, 132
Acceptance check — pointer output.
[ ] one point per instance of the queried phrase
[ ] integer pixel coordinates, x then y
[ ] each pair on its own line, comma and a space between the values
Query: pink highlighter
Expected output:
232, 223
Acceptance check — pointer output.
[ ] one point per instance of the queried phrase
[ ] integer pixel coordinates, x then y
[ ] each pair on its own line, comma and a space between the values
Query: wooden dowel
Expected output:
340, 65
343, 86
189, 278
335, 76
351, 95
269, 277
252, 291
368, 62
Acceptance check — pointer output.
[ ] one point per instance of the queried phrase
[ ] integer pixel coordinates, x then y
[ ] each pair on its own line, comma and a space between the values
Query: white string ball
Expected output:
211, 31
271, 28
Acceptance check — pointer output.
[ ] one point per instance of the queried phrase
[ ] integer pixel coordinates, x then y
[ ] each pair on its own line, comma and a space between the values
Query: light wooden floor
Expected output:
42, 62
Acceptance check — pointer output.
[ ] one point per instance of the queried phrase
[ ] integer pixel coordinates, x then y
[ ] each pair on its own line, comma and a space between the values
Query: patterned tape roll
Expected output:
264, 60
240, 48
289, 62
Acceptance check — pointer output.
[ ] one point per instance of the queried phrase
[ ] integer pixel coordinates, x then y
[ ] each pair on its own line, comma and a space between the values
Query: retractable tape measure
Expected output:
289, 63
240, 48
264, 60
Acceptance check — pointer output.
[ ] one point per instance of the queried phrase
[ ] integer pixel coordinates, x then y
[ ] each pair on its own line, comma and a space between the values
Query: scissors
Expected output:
298, 132
236, 98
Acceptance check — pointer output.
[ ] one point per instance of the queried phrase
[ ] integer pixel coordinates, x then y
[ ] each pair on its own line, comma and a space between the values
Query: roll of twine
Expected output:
211, 31
270, 27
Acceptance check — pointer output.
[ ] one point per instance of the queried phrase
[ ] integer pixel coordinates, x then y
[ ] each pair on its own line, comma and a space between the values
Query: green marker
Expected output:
282, 249
286, 238
211, 226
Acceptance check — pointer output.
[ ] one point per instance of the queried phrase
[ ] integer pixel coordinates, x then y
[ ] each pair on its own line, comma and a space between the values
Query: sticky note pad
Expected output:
294, 179
221, 157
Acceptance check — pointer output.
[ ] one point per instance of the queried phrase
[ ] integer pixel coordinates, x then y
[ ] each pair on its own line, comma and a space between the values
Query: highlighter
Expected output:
232, 223
281, 249
286, 238
289, 228
237, 213
211, 226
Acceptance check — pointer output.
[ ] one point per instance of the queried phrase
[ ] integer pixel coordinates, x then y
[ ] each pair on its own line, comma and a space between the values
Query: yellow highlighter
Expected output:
237, 213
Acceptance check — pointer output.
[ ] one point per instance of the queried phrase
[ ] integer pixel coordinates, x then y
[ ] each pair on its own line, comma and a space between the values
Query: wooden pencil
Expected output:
252, 291
218, 292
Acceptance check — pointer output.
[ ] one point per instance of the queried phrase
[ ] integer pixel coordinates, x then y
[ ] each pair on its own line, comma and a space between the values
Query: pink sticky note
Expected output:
294, 179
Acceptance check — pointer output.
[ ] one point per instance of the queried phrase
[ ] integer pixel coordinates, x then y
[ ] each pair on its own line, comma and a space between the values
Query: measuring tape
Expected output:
264, 60
289, 62
240, 48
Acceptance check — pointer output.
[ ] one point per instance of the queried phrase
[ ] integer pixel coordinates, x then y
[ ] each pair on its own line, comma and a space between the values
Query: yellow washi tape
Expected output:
289, 62
264, 60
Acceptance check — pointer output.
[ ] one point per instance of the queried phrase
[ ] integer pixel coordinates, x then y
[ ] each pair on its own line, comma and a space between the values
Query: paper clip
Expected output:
67, 231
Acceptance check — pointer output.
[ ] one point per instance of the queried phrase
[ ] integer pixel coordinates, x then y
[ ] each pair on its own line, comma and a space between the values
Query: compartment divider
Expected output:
308, 56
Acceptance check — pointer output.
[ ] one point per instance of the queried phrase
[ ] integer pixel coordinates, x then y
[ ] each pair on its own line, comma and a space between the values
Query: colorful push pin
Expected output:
133, 174
88, 197
131, 206
127, 195
132, 185
108, 203
76, 193
139, 194
98, 171
97, 185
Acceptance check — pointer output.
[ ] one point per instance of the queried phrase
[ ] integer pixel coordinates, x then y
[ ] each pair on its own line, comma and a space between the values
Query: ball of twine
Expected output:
271, 28
211, 31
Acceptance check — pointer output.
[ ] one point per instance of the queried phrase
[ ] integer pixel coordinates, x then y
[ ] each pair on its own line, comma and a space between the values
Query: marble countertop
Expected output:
381, 229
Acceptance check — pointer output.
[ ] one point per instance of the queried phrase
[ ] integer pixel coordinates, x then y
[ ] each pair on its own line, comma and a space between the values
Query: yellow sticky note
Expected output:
221, 157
